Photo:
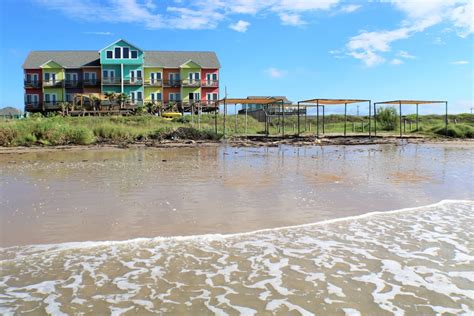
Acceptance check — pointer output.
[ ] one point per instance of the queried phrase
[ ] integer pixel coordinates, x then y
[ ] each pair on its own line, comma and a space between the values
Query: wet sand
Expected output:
118, 194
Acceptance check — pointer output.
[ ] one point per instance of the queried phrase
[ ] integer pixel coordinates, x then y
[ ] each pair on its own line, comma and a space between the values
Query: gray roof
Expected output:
78, 59
68, 58
172, 59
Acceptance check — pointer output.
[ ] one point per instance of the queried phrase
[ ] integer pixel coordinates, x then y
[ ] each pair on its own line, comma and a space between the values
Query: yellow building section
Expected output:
148, 74
53, 79
157, 91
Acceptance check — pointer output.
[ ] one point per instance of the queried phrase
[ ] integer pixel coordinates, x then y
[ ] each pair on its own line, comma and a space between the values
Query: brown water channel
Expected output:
61, 196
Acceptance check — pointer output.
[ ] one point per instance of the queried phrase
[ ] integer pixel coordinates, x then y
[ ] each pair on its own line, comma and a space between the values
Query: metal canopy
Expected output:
333, 101
410, 102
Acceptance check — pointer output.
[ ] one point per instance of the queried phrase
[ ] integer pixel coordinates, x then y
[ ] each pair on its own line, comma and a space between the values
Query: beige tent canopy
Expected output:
415, 102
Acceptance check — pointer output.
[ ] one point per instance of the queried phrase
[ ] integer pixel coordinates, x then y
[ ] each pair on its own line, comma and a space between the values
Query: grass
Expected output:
116, 129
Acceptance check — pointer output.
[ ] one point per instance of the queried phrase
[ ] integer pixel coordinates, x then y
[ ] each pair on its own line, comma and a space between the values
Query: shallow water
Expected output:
53, 197
414, 261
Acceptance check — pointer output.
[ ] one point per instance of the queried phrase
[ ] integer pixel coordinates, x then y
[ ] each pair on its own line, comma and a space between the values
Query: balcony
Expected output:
53, 83
111, 81
52, 105
33, 106
133, 82
191, 83
210, 83
154, 83
90, 83
72, 83
32, 84
171, 83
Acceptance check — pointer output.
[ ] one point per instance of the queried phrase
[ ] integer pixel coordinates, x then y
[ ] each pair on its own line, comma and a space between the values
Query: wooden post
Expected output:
345, 119
400, 107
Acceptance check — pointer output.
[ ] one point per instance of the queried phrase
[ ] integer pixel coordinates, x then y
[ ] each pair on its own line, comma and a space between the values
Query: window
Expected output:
118, 51
108, 54
158, 96
69, 97
175, 96
126, 52
139, 95
134, 54
211, 96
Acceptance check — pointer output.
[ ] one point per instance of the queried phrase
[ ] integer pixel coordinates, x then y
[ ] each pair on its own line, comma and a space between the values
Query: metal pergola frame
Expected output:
323, 102
416, 102
235, 101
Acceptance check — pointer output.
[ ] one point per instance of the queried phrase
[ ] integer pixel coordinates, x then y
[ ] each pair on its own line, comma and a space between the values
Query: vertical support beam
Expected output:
225, 116
121, 78
283, 113
199, 114
375, 119
400, 108
192, 113
370, 120
317, 118
446, 118
298, 119
324, 110
345, 119
305, 119
417, 117
246, 121
236, 118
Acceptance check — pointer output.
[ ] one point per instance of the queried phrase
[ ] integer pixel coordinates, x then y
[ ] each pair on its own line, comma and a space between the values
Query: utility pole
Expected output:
358, 110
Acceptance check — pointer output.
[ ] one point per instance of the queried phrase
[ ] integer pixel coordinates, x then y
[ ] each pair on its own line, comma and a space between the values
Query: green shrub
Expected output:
387, 118
455, 131
79, 135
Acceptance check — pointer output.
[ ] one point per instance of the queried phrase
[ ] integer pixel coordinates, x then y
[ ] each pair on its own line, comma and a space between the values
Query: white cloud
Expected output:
275, 73
396, 62
187, 14
350, 8
240, 26
405, 54
439, 41
99, 33
459, 62
371, 46
291, 19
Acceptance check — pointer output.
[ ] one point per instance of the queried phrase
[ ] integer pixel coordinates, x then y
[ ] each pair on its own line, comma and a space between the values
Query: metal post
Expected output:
417, 117
446, 129
370, 120
236, 117
283, 112
246, 124
199, 115
400, 107
298, 119
345, 118
317, 119
324, 110
305, 118
375, 119
225, 115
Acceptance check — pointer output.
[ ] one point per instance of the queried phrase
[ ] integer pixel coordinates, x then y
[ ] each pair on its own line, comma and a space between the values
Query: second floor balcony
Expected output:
154, 82
54, 83
90, 83
172, 83
111, 80
191, 83
72, 83
32, 84
133, 81
210, 83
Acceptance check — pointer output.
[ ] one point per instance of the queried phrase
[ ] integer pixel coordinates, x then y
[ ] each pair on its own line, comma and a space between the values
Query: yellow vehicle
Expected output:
171, 115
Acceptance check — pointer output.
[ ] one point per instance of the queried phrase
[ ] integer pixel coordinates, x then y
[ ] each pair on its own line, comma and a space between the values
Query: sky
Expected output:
379, 50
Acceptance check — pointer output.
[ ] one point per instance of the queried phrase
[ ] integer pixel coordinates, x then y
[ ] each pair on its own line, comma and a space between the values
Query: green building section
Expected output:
150, 90
190, 67
120, 45
149, 70
186, 91
53, 69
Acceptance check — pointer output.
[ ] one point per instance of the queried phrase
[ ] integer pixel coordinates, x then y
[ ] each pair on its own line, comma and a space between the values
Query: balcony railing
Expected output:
210, 83
33, 106
90, 83
133, 82
52, 105
72, 83
171, 83
191, 83
154, 82
32, 84
53, 83
111, 81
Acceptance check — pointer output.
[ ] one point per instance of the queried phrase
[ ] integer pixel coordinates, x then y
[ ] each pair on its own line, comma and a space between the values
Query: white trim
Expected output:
188, 62
51, 60
120, 39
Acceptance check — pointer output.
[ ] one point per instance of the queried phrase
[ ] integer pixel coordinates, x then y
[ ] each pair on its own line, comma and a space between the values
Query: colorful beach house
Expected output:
52, 78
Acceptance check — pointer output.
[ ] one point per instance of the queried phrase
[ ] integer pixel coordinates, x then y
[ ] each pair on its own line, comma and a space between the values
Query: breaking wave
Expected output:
418, 260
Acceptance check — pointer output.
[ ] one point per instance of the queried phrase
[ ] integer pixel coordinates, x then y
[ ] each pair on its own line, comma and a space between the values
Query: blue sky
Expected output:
379, 50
